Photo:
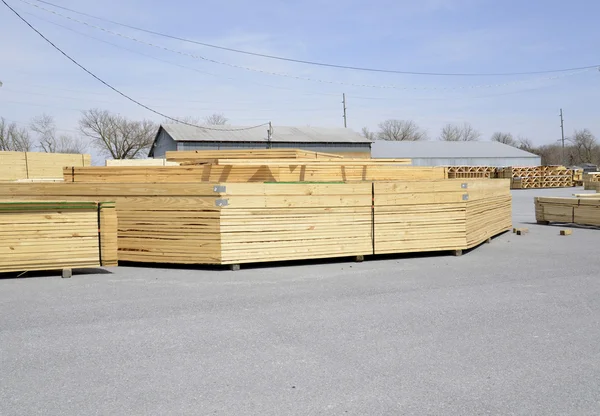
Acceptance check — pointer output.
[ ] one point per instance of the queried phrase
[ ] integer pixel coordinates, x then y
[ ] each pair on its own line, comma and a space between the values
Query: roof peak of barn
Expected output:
283, 134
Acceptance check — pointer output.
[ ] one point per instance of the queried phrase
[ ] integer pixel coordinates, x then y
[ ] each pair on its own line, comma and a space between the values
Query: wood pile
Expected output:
140, 162
250, 171
537, 177
471, 172
583, 210
32, 165
195, 155
56, 235
439, 215
577, 177
590, 179
233, 223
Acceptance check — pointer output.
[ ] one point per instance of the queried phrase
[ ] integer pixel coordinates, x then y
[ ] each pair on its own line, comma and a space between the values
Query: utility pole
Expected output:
562, 131
344, 104
269, 135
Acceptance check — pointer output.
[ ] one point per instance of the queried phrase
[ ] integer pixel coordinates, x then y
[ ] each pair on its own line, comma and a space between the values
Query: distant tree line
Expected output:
111, 134
581, 147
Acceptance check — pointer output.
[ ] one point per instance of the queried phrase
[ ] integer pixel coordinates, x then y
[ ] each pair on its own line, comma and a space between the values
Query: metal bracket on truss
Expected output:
465, 197
220, 188
222, 202
464, 185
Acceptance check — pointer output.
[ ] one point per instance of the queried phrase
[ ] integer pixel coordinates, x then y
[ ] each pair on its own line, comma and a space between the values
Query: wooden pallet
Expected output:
471, 172
57, 235
234, 223
533, 177
579, 210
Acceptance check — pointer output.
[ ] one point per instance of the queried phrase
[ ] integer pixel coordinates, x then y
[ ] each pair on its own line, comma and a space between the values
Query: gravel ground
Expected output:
510, 328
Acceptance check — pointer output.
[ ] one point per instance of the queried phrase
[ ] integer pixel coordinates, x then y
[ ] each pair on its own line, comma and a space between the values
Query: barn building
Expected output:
342, 141
439, 153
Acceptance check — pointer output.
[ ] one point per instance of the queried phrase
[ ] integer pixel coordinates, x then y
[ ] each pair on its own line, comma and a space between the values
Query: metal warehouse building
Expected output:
330, 140
455, 153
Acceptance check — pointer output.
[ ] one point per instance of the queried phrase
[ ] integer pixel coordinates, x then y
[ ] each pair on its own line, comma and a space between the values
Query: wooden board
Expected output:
57, 235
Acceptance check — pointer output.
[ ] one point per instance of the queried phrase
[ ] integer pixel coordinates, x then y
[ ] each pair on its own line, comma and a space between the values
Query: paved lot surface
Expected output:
511, 328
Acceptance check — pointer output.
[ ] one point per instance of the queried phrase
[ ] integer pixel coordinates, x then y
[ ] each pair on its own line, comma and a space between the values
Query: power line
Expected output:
113, 88
314, 63
169, 62
214, 61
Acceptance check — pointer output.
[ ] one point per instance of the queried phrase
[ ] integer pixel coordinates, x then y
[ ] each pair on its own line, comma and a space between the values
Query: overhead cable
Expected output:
314, 63
115, 89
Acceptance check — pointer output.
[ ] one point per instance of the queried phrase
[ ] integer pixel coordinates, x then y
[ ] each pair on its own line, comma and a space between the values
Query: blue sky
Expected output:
428, 35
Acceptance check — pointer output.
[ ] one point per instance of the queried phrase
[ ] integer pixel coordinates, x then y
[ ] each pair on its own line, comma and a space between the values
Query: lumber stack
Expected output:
471, 172
37, 166
250, 171
577, 177
583, 210
537, 176
272, 222
140, 162
233, 223
439, 215
56, 235
590, 179
194, 155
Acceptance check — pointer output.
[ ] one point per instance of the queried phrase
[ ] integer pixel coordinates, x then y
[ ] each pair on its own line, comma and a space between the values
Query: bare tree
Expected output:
49, 142
526, 144
116, 136
216, 119
401, 131
13, 138
456, 133
504, 138
185, 119
368, 134
585, 145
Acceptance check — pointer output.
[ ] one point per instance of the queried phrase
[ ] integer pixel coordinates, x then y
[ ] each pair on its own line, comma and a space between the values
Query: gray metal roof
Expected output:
183, 133
441, 150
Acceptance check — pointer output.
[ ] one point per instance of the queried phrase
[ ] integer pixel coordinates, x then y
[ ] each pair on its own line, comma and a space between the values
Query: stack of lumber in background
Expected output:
590, 179
56, 235
34, 166
582, 209
439, 215
191, 156
140, 162
471, 172
577, 177
537, 176
232, 223
259, 170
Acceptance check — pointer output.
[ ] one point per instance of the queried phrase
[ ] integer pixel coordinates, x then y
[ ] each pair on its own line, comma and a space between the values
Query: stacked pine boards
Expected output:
582, 209
38, 166
271, 211
590, 180
56, 235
